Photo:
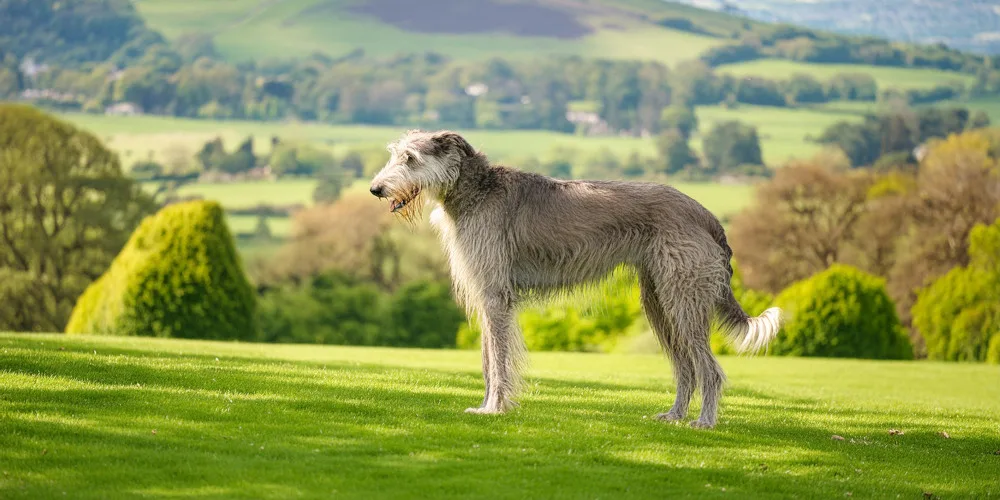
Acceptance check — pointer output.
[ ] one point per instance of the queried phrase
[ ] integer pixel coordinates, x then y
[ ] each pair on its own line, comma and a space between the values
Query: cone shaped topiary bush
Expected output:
178, 276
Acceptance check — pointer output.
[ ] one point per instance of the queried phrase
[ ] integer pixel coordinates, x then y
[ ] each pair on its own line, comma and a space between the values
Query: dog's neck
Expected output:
476, 178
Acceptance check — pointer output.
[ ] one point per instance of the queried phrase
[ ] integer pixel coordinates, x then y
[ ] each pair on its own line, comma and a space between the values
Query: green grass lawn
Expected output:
885, 76
87, 417
252, 29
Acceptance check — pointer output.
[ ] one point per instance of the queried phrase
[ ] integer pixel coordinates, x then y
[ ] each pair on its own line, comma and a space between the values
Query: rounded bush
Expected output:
840, 312
178, 276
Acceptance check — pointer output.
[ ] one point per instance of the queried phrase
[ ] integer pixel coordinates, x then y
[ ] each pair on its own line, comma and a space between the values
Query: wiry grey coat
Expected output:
509, 234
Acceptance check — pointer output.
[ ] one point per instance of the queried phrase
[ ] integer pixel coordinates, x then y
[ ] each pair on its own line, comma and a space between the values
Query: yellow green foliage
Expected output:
959, 314
178, 276
592, 320
840, 312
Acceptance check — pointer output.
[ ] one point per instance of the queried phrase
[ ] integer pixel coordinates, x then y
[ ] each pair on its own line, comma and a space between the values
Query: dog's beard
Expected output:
408, 206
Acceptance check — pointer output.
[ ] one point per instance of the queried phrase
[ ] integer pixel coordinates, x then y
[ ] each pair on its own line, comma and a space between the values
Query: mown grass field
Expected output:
885, 76
253, 29
87, 417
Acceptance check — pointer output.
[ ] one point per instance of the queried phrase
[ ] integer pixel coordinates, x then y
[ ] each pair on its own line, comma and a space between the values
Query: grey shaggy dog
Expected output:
510, 235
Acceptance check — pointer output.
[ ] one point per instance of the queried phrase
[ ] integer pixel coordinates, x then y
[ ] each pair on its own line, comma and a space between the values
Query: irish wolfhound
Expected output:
510, 234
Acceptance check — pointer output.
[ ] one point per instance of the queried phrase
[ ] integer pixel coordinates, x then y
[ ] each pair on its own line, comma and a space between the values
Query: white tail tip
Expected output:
760, 331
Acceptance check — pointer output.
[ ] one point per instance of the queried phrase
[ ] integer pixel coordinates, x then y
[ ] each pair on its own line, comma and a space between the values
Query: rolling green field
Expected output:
886, 77
721, 199
127, 417
255, 29
139, 137
783, 132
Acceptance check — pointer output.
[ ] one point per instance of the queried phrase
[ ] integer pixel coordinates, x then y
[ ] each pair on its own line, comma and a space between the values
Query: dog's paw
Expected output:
701, 424
484, 411
669, 416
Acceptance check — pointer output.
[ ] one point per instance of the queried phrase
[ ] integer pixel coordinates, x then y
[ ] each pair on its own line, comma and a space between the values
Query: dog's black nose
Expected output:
376, 190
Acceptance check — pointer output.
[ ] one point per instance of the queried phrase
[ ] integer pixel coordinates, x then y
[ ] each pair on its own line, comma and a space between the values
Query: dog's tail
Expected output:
748, 334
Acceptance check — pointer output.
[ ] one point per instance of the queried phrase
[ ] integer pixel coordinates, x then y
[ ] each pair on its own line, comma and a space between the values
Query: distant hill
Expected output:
972, 25
615, 29
71, 32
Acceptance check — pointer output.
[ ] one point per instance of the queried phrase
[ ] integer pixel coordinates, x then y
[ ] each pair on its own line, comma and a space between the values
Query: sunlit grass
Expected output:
127, 417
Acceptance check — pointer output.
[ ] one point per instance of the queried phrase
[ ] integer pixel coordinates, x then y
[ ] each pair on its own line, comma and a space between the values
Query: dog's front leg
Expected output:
487, 355
503, 352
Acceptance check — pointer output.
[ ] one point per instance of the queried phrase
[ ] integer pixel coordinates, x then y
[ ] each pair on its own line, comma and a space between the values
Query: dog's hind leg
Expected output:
666, 332
710, 379
503, 353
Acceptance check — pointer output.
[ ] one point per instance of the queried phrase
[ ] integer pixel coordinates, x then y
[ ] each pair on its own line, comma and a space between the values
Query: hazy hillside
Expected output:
73, 31
962, 24
251, 29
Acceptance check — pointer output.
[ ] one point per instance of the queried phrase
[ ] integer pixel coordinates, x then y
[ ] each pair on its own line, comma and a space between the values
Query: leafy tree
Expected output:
178, 276
801, 222
852, 87
675, 153
211, 155
956, 187
353, 164
802, 89
680, 118
840, 312
979, 120
262, 231
66, 209
240, 160
731, 144
958, 315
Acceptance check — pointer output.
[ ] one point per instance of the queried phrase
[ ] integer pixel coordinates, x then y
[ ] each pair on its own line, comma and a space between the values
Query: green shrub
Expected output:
423, 314
178, 276
593, 320
840, 312
331, 308
958, 315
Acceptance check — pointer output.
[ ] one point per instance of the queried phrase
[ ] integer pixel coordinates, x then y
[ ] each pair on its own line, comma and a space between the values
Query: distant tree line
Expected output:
796, 43
889, 138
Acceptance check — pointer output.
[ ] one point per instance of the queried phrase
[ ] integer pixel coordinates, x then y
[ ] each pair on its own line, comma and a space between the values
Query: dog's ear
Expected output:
447, 140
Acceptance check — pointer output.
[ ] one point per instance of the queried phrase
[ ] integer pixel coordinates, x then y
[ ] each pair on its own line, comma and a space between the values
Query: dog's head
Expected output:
420, 162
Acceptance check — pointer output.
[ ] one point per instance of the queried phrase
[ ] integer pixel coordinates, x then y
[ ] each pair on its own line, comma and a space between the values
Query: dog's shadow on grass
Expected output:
235, 427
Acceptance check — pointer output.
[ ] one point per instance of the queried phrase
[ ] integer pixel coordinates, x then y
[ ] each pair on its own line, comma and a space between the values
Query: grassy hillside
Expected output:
886, 77
127, 417
252, 29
